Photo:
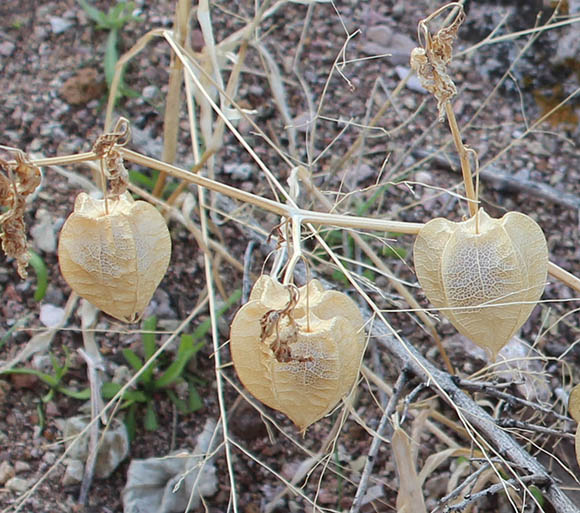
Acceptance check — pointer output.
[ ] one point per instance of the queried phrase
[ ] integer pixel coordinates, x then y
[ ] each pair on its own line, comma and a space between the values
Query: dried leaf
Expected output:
410, 496
115, 260
297, 350
430, 63
490, 281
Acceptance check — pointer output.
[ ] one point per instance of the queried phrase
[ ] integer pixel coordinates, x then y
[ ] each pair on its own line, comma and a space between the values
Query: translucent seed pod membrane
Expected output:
574, 411
298, 350
116, 255
486, 281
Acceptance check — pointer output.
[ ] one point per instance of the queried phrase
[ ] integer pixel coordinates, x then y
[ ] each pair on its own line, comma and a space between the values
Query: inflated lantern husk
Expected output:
485, 283
114, 258
574, 411
324, 342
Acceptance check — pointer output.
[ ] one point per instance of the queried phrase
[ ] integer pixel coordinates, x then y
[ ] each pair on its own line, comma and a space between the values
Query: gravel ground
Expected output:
53, 100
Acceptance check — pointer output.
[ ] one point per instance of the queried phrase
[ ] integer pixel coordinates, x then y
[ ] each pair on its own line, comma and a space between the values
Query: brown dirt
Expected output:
52, 104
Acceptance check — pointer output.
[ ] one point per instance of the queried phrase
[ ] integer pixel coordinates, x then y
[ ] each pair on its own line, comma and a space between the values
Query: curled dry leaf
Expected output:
487, 282
17, 181
115, 260
574, 410
297, 350
430, 63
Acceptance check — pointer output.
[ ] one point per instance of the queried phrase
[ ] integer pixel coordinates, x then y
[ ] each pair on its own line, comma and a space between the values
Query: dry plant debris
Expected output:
114, 253
298, 350
17, 182
430, 62
485, 274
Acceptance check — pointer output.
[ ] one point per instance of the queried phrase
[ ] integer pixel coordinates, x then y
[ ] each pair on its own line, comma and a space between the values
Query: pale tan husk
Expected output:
574, 411
117, 259
324, 362
468, 273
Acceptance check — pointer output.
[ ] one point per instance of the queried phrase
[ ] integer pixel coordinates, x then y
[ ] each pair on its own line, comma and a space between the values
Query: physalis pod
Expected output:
115, 255
298, 350
487, 280
574, 410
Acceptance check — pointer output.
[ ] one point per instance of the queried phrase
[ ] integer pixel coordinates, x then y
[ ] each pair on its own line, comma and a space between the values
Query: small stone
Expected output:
51, 315
239, 171
59, 25
51, 409
149, 92
113, 449
73, 473
83, 87
414, 84
22, 381
7, 472
49, 458
7, 48
17, 484
43, 232
21, 466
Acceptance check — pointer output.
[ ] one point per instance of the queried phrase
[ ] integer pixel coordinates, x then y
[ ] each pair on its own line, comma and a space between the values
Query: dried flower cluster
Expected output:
298, 350
430, 63
17, 181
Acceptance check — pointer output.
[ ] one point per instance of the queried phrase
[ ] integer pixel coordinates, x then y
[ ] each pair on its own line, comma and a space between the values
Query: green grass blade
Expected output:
41, 271
49, 380
81, 395
99, 17
186, 351
195, 401
132, 359
111, 57
150, 421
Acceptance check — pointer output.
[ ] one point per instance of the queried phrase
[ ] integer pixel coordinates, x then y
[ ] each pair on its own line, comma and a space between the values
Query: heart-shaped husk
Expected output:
486, 283
574, 411
117, 259
324, 360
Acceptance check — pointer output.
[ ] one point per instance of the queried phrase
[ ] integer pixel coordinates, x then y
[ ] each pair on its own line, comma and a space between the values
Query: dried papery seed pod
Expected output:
115, 260
504, 264
574, 410
574, 403
295, 350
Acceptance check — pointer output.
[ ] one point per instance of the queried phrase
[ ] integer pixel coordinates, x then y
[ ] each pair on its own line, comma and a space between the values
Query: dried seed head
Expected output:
17, 181
308, 358
115, 260
488, 282
430, 63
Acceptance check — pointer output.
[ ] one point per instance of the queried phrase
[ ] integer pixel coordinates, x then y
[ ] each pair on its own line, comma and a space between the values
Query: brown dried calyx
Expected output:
298, 350
112, 166
17, 181
430, 61
485, 274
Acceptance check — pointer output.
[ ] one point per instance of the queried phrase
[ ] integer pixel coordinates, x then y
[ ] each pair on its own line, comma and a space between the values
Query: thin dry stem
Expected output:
173, 98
